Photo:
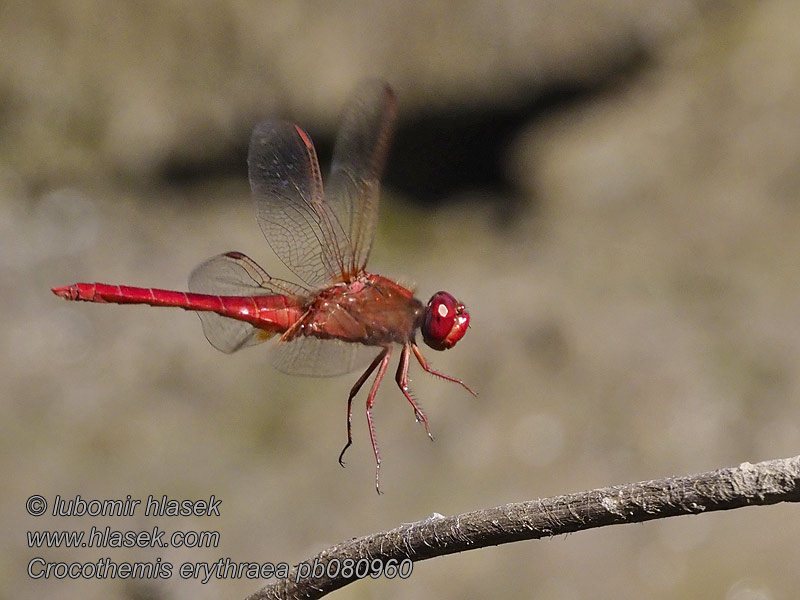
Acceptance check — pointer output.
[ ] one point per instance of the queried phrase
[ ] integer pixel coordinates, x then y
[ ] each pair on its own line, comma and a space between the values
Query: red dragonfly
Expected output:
340, 315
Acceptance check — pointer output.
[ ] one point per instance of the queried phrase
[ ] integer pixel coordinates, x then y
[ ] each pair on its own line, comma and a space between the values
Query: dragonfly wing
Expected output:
234, 274
315, 357
287, 188
230, 335
359, 156
322, 237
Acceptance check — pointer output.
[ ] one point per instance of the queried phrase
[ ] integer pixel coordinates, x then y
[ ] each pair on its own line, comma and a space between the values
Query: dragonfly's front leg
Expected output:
424, 364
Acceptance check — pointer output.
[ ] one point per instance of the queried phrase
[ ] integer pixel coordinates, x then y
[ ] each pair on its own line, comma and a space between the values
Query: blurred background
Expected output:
610, 187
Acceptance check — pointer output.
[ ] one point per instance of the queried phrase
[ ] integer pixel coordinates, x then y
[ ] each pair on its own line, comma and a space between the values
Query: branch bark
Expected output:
764, 483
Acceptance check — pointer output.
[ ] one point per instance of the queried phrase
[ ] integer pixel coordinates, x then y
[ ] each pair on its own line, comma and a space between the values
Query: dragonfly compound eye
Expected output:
446, 321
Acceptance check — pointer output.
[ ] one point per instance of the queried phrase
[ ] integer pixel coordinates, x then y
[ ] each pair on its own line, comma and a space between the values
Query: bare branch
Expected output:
768, 482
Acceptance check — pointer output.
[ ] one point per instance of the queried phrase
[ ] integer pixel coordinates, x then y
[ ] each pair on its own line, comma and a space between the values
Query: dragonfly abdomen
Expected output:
272, 313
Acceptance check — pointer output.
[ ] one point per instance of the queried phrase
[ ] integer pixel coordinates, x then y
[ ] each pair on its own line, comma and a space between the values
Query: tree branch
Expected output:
768, 482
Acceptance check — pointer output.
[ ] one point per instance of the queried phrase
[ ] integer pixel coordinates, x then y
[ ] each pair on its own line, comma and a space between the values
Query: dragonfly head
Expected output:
446, 321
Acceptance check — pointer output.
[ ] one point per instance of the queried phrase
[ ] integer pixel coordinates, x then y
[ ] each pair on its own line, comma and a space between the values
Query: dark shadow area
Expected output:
229, 161
439, 155
442, 155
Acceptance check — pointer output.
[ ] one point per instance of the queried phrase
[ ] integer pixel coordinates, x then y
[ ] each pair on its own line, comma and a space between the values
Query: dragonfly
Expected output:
337, 316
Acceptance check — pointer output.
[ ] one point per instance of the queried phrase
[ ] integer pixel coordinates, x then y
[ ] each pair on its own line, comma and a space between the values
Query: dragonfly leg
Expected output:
353, 391
384, 356
424, 364
290, 333
402, 382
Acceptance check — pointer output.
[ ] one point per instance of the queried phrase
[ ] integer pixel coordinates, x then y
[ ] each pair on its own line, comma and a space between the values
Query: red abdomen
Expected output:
275, 313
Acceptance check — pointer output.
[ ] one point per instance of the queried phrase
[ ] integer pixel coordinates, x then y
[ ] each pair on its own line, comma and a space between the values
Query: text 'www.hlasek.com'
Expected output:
107, 537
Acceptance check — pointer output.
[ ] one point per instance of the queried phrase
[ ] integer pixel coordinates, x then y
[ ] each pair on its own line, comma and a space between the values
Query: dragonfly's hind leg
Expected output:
383, 360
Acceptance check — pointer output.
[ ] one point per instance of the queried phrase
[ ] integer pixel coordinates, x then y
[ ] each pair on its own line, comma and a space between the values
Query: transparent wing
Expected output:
287, 189
322, 239
234, 274
359, 157
316, 357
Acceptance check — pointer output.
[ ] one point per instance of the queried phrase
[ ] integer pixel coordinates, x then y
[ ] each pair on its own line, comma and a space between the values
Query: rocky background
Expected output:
611, 187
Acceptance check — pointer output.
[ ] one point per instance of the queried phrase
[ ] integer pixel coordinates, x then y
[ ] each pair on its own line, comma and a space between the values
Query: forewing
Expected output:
323, 237
234, 274
359, 157
290, 204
